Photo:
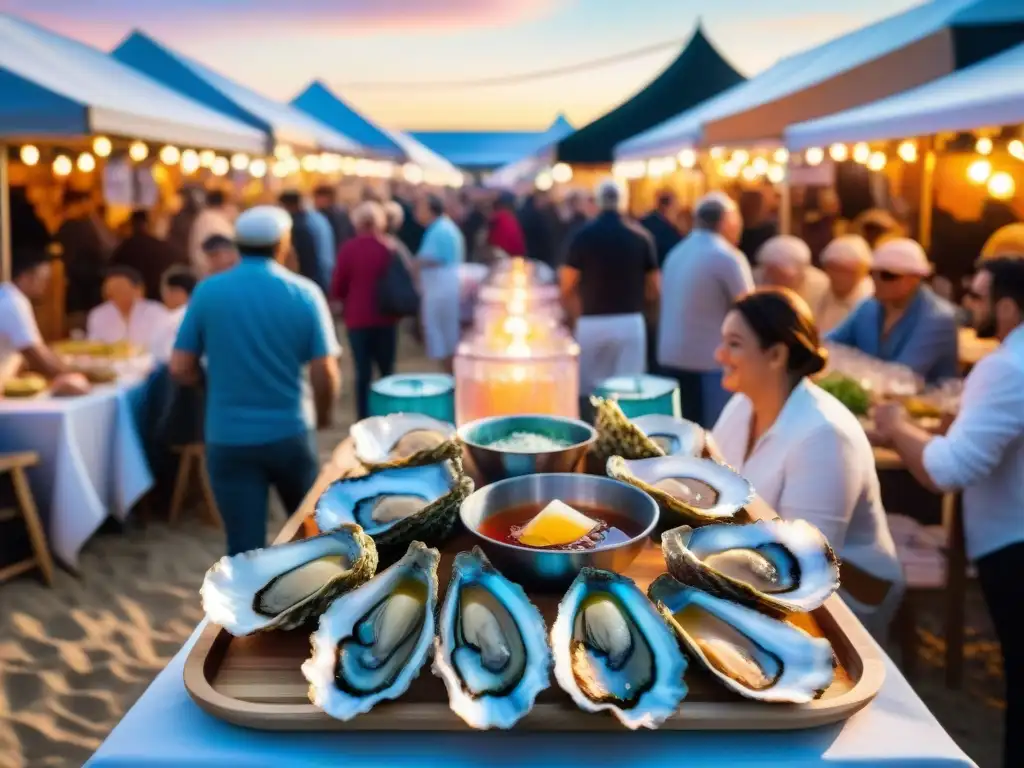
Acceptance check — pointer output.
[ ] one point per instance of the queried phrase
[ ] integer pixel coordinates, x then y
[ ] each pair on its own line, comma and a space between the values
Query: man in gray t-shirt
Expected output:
701, 278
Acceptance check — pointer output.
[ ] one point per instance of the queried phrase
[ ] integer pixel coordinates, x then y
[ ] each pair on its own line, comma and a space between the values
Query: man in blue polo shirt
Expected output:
259, 326
442, 250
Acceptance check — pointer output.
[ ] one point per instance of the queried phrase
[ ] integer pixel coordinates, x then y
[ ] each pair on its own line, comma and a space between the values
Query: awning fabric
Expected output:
989, 93
281, 122
51, 85
871, 63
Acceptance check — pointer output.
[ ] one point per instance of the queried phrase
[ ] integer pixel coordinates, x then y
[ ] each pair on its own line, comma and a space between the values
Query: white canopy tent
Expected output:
872, 63
990, 93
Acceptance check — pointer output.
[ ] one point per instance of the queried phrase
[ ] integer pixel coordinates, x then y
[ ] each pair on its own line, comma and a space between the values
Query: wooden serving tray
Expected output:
256, 681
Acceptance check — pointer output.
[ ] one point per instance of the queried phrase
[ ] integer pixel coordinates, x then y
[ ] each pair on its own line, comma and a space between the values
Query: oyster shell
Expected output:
776, 564
398, 506
618, 436
492, 650
754, 655
699, 491
401, 440
614, 652
673, 436
280, 587
372, 642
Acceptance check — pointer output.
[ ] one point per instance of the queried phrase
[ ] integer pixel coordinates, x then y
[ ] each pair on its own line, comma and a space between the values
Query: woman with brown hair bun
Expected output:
805, 453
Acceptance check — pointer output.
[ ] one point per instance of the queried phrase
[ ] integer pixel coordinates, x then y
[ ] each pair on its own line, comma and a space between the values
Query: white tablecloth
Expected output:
92, 462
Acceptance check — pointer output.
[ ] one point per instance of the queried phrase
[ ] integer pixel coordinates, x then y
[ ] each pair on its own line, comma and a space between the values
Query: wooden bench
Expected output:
15, 465
192, 456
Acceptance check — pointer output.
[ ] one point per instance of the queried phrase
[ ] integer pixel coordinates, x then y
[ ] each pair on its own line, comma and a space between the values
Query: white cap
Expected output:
784, 251
849, 250
262, 226
901, 256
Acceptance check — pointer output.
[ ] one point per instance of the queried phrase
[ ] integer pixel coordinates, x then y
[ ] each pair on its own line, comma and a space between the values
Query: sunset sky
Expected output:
277, 47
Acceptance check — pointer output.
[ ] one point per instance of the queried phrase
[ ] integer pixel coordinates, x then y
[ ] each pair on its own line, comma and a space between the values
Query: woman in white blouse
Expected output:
806, 455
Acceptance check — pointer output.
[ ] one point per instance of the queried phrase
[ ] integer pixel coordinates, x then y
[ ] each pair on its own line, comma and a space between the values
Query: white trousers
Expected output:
439, 313
610, 345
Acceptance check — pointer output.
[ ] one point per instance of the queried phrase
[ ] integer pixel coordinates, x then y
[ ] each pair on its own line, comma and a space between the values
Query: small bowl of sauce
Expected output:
541, 530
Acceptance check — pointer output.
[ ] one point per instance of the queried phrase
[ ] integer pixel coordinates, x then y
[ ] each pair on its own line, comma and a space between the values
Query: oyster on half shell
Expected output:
280, 587
781, 565
673, 436
617, 435
697, 491
613, 651
400, 440
398, 506
753, 654
372, 642
491, 650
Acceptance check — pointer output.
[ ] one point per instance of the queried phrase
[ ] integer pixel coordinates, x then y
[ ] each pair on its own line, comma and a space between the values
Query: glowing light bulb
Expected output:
412, 173
861, 153
781, 156
138, 151
207, 158
740, 157
907, 152
562, 173
102, 146
979, 171
776, 174
730, 170
749, 172
258, 168
717, 152
838, 152
1002, 186
282, 151
760, 165
1016, 149
220, 166
687, 158
544, 182
239, 161
86, 163
170, 155
62, 165
877, 161
280, 169
29, 154
311, 163
189, 161
983, 146
814, 155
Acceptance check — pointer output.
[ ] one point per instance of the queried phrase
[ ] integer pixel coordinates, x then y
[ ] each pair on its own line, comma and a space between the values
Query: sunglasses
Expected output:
885, 275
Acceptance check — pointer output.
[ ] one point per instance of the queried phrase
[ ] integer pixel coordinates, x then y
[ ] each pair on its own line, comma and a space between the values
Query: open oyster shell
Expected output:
673, 436
697, 491
775, 564
754, 655
280, 587
614, 652
372, 643
398, 506
617, 435
401, 440
491, 650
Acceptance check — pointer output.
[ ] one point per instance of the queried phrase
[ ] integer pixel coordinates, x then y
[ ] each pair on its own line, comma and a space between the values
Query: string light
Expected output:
220, 166
717, 152
877, 161
311, 163
776, 174
412, 173
814, 155
749, 173
170, 155
687, 158
730, 170
861, 153
907, 152
283, 151
740, 157
660, 166
983, 146
102, 146
292, 164
207, 158
239, 161
561, 173
1002, 186
29, 154
138, 151
760, 165
838, 152
62, 165
189, 161
280, 169
258, 168
781, 156
86, 163
544, 182
979, 171
1016, 149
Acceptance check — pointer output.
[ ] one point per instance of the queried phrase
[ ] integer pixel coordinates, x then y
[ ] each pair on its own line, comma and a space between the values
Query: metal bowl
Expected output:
552, 570
495, 464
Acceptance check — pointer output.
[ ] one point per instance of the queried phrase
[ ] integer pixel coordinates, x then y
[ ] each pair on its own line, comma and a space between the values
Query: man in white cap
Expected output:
847, 262
703, 276
784, 261
259, 326
905, 322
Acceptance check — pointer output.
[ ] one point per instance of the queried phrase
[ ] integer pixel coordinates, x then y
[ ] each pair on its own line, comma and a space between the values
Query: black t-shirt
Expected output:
613, 256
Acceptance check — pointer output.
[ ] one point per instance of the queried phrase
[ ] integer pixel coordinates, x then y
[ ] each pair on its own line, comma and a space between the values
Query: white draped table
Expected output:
92, 462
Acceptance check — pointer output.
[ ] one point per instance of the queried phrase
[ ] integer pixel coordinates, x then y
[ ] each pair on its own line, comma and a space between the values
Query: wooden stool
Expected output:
193, 454
15, 464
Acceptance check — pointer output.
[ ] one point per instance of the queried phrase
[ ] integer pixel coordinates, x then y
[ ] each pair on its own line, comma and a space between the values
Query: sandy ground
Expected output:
74, 658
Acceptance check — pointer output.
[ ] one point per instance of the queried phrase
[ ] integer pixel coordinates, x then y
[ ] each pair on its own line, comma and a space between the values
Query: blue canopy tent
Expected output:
487, 150
58, 88
282, 122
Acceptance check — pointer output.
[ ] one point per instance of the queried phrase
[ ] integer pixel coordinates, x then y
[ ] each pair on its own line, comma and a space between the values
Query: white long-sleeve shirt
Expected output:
142, 327
983, 451
815, 463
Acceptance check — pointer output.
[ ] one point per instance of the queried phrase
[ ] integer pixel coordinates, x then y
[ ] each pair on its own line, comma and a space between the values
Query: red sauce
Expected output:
616, 528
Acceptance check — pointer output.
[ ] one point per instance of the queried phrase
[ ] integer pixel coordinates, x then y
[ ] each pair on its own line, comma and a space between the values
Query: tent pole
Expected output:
5, 216
927, 202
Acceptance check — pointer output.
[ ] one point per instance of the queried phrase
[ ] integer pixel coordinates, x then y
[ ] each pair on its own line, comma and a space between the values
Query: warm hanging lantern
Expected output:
138, 151
29, 154
814, 156
102, 146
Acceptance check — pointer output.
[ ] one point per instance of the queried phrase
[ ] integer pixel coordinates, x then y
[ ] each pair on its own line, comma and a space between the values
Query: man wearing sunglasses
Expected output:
905, 322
